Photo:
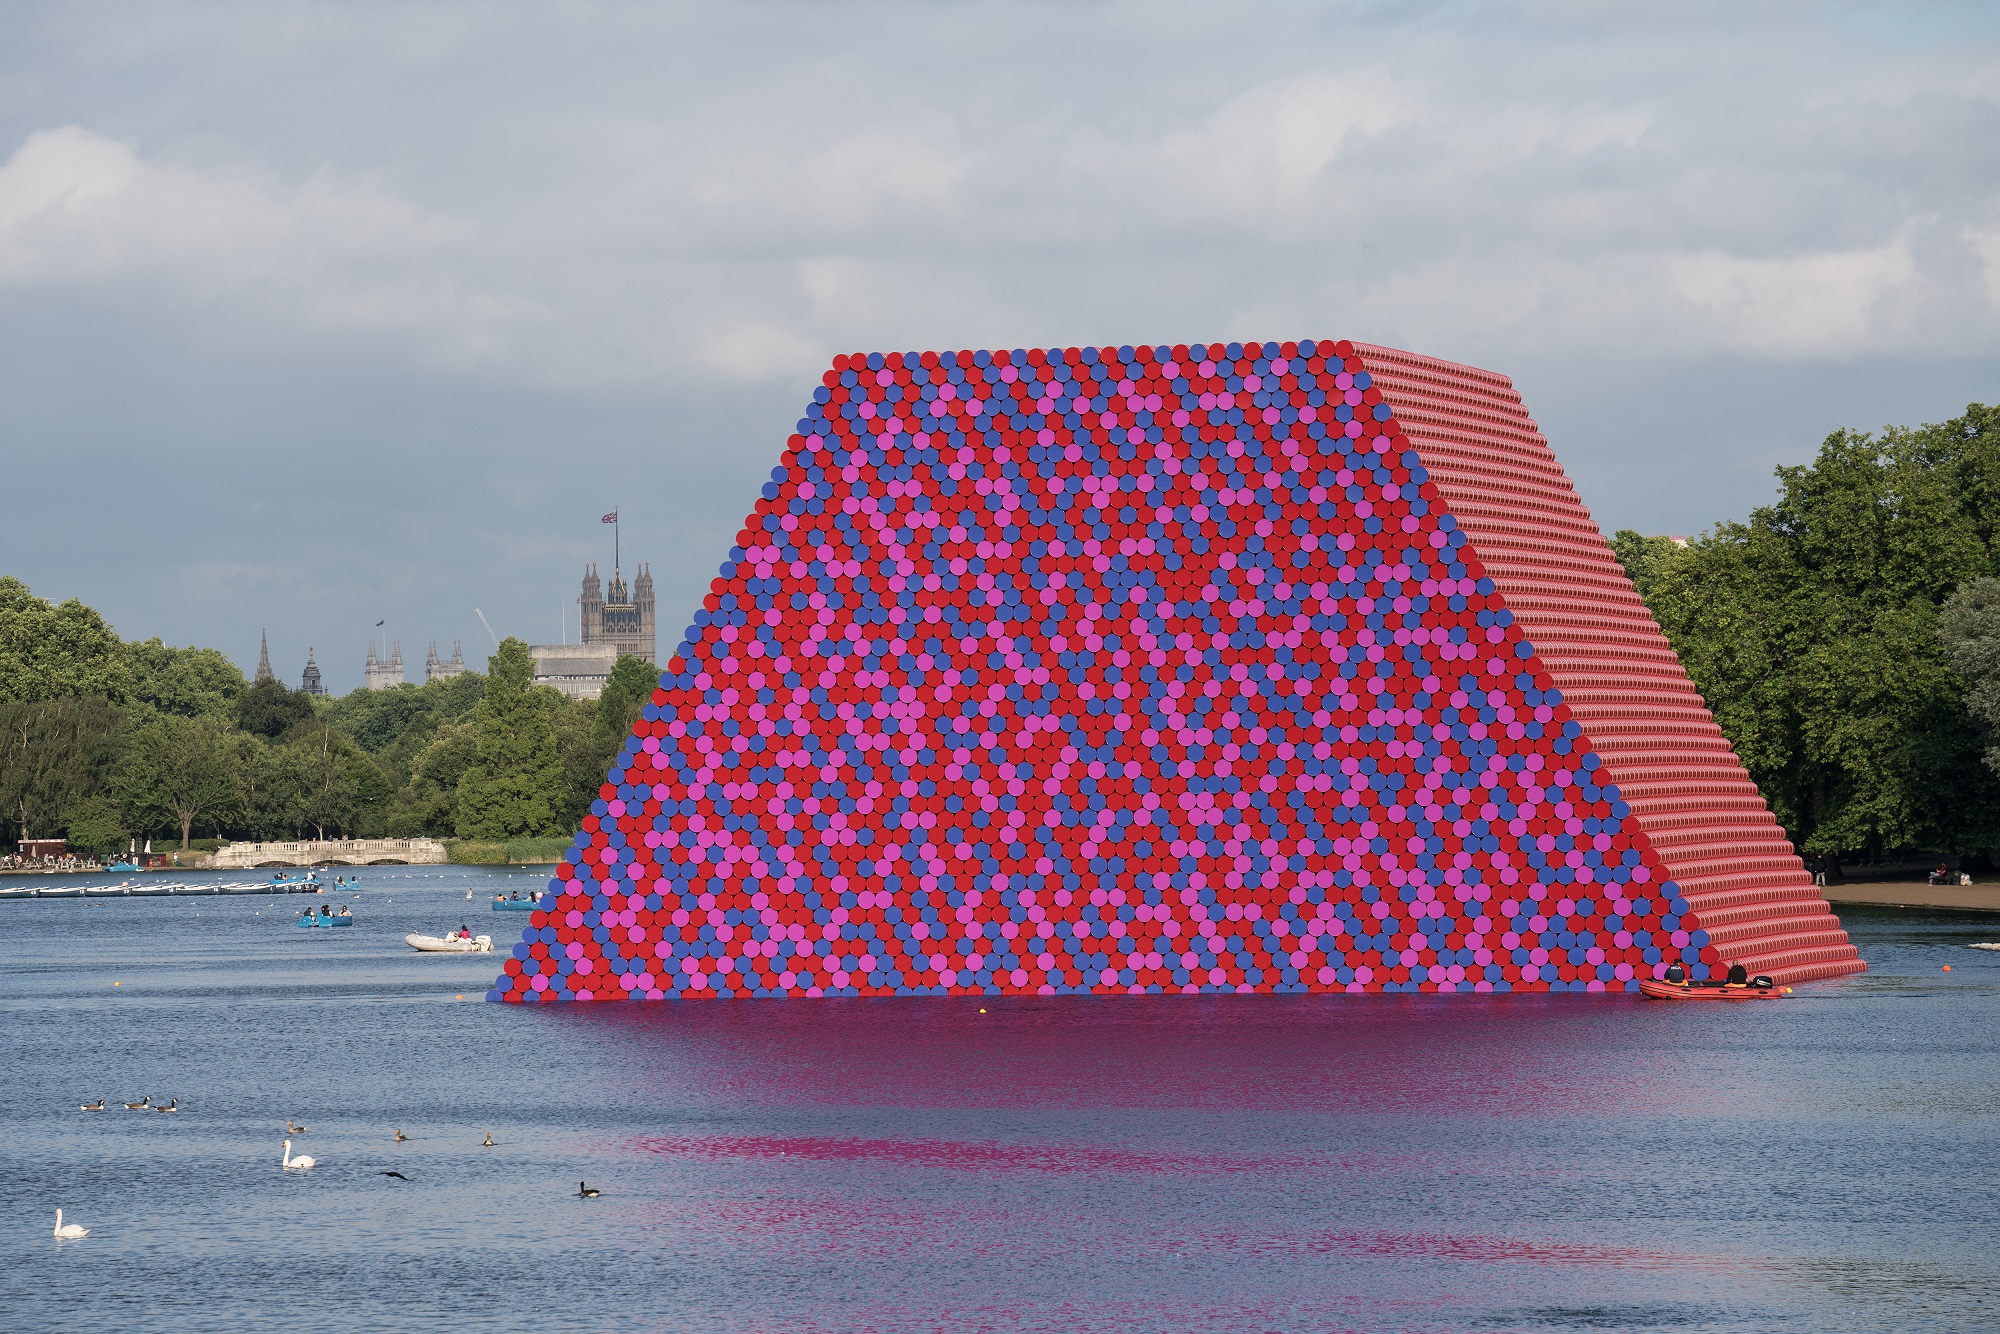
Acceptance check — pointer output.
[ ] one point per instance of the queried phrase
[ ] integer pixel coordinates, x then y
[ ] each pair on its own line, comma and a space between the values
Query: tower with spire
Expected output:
378, 674
264, 672
309, 678
619, 617
438, 669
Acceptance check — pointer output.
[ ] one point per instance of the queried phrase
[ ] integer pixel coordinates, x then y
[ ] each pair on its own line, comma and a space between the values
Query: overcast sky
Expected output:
314, 315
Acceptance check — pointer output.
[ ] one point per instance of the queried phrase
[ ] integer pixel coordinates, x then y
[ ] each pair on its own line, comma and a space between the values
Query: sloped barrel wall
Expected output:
1244, 667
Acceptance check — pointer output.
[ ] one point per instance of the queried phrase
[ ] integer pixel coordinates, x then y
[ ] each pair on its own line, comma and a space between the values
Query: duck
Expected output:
291, 1129
584, 1192
291, 1164
489, 1140
70, 1231
97, 1106
140, 1105
171, 1105
401, 1137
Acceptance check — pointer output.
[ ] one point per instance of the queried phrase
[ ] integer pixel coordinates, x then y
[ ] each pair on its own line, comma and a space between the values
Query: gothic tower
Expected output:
264, 672
309, 678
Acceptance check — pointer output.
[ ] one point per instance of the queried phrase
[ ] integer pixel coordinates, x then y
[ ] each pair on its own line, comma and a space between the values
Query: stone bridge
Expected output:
331, 852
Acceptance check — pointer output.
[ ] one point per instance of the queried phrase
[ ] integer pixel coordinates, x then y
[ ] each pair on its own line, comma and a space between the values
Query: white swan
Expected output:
68, 1232
291, 1164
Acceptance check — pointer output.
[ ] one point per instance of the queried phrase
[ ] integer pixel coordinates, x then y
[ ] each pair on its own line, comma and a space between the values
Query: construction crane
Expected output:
489, 626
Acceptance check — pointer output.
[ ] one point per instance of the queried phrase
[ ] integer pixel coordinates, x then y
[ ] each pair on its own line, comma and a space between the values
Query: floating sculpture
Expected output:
1249, 667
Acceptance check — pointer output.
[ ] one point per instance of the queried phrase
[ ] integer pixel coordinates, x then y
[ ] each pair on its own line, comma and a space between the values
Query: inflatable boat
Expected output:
1654, 989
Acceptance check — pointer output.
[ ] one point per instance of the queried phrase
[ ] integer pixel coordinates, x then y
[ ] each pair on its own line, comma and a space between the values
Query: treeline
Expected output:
103, 741
1847, 638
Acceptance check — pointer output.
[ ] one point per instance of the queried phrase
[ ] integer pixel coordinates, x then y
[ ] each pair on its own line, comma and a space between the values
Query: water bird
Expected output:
97, 1106
291, 1129
400, 1137
489, 1140
584, 1192
70, 1231
398, 1175
140, 1105
173, 1105
291, 1164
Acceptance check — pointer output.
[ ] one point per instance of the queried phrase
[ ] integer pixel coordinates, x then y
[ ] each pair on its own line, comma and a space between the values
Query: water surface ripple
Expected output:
1246, 1163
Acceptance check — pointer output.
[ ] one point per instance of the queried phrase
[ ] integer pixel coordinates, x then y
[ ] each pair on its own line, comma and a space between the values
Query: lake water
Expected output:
1132, 1163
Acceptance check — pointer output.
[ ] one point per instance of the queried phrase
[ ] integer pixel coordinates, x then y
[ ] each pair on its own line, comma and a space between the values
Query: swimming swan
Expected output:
291, 1164
68, 1232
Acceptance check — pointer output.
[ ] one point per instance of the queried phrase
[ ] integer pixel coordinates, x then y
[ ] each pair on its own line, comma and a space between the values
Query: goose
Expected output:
584, 1192
69, 1232
401, 1137
97, 1106
291, 1164
140, 1105
291, 1129
173, 1105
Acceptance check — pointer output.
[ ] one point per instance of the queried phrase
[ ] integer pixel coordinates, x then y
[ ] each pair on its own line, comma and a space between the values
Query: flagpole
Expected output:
615, 564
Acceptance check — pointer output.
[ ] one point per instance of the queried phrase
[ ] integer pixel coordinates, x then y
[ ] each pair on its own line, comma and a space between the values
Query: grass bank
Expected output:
514, 852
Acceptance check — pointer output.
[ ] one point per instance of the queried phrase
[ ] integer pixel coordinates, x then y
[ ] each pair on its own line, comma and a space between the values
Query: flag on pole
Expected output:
610, 518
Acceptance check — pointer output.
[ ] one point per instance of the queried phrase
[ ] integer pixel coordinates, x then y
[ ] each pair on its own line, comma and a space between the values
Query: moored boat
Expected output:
454, 943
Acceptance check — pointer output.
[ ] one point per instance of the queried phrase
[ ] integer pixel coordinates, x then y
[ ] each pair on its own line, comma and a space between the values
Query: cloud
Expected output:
1827, 304
78, 207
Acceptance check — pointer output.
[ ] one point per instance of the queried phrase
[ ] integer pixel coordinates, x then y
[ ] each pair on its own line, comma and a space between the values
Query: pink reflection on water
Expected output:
954, 1155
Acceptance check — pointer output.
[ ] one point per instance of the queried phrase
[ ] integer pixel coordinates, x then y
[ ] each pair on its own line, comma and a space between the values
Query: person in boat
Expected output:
343, 911
1739, 976
1676, 974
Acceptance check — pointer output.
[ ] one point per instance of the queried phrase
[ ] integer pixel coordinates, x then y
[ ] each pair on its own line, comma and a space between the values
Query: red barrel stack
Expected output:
1216, 667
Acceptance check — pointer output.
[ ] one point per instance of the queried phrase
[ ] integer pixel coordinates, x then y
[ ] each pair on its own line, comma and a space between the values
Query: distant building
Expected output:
437, 669
578, 670
613, 624
264, 672
309, 678
626, 624
378, 674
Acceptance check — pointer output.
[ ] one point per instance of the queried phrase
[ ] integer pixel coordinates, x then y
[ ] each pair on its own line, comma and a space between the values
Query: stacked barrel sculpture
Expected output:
1217, 667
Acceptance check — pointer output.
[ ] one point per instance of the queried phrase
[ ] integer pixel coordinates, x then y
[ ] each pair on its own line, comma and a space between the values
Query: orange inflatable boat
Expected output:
1654, 989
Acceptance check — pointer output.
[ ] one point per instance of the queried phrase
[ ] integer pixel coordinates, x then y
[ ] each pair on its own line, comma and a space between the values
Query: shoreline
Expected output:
1903, 894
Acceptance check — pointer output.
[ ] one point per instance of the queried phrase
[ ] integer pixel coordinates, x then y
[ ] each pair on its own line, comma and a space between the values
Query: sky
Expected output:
318, 315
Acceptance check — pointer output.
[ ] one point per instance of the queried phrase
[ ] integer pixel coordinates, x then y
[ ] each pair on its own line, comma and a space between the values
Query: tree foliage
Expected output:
1970, 628
180, 770
1813, 631
49, 652
515, 786
267, 709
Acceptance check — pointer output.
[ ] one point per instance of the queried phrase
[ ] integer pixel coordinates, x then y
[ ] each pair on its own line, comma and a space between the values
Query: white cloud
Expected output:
1830, 304
79, 207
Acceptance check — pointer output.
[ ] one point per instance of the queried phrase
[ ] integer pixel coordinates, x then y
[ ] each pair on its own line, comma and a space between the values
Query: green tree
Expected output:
1813, 631
190, 682
1970, 628
49, 652
54, 755
268, 710
428, 803
1645, 558
589, 736
95, 825
515, 788
178, 771
325, 783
